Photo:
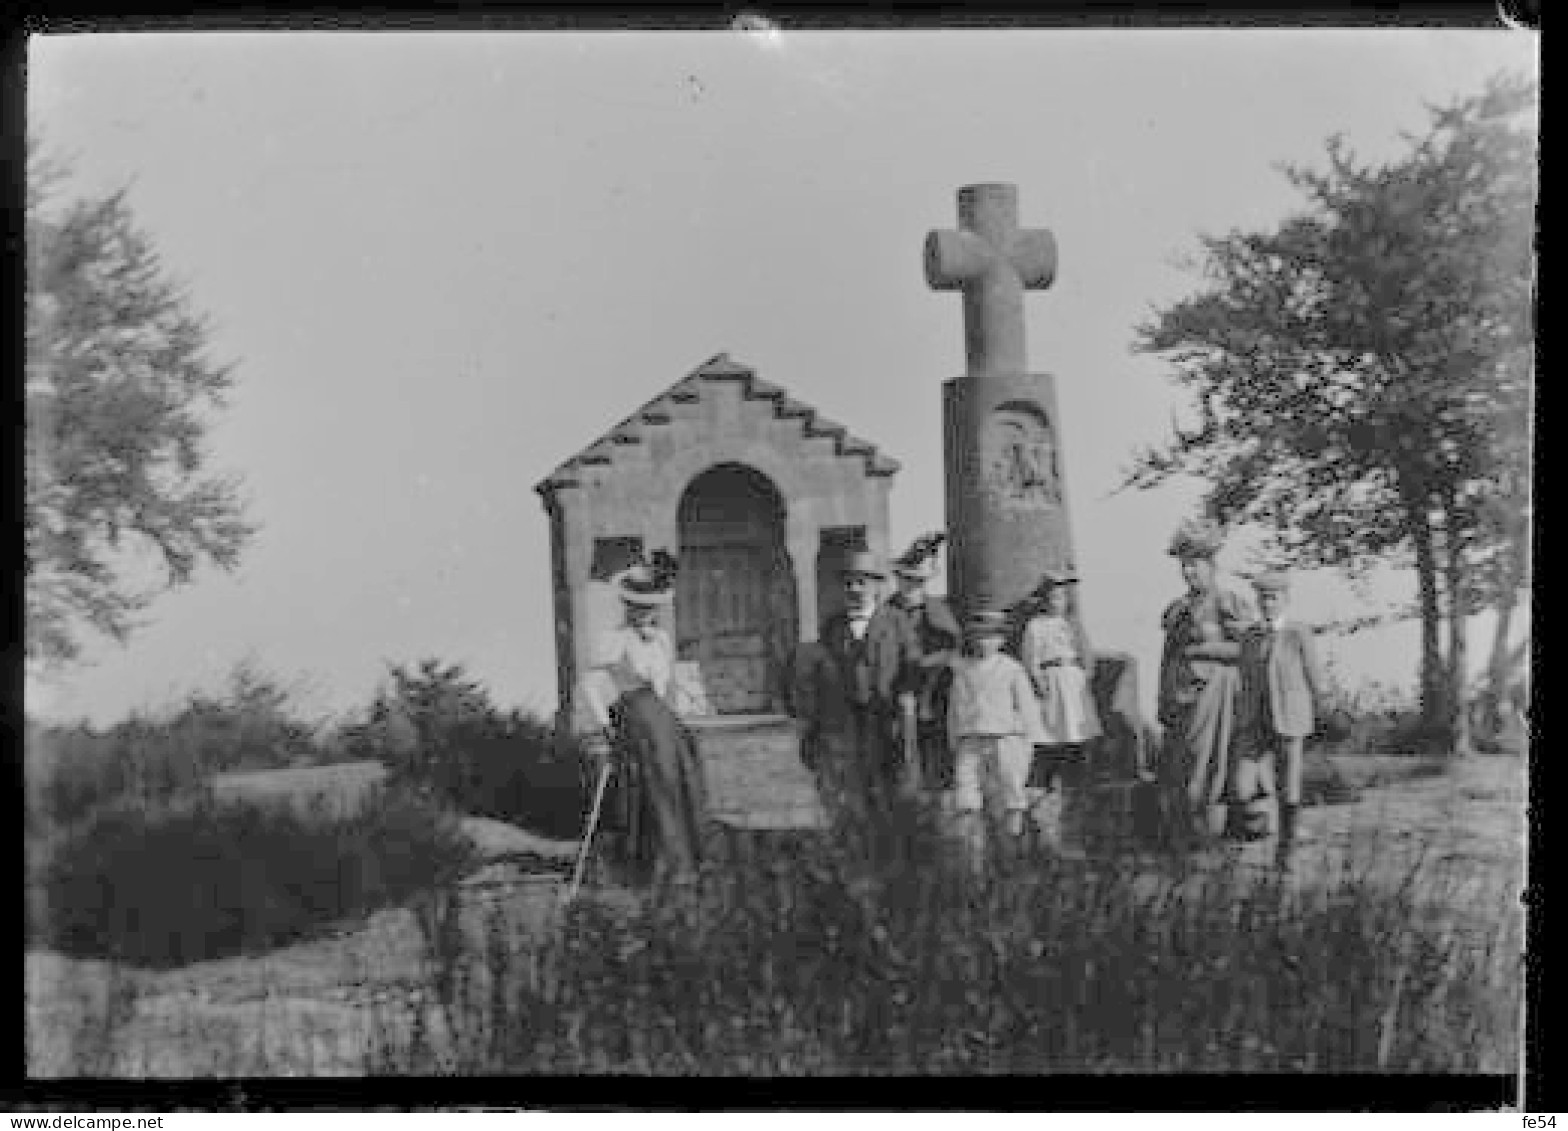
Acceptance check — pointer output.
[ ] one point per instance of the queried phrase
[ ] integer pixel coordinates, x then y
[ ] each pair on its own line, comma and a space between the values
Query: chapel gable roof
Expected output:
719, 368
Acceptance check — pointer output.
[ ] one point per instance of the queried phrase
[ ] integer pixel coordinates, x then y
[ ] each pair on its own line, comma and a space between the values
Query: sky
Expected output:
445, 262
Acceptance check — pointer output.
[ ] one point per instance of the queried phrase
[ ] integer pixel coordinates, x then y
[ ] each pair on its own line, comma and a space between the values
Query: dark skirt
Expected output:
657, 804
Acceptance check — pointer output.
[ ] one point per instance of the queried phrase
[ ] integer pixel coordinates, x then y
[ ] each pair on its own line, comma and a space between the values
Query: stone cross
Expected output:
992, 261
1007, 518
1007, 501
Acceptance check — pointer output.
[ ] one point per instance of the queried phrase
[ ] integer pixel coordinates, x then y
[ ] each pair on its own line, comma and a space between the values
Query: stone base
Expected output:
754, 774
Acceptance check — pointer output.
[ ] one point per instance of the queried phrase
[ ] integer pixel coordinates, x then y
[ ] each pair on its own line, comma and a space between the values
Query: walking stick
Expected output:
593, 824
910, 731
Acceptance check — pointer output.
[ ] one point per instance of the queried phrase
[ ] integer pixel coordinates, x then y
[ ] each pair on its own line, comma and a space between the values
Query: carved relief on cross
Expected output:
992, 261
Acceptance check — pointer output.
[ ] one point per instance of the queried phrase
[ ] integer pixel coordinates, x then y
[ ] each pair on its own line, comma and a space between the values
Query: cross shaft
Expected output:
993, 262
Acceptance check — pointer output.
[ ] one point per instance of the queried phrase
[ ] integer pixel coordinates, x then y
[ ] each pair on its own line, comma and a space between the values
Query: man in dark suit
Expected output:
846, 695
923, 687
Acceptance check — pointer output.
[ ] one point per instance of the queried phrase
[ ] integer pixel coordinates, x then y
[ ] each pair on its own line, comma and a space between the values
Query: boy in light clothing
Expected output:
993, 722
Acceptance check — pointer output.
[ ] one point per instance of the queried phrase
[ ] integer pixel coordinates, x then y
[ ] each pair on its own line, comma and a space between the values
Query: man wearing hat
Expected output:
1282, 686
924, 684
846, 694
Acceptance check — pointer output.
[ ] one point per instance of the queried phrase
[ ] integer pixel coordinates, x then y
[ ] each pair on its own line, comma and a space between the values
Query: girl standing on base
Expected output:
993, 722
1055, 651
1056, 654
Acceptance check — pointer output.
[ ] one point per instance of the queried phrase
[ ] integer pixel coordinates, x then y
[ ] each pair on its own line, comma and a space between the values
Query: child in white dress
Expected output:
993, 722
1055, 652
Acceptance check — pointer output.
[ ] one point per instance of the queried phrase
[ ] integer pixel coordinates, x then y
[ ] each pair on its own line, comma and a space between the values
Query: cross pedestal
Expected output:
1007, 514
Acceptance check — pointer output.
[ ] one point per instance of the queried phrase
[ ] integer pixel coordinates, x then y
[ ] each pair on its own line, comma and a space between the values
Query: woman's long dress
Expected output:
1051, 654
657, 802
1200, 699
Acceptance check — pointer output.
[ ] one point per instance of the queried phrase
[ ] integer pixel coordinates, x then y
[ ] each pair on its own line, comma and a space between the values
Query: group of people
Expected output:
1240, 691
896, 695
896, 698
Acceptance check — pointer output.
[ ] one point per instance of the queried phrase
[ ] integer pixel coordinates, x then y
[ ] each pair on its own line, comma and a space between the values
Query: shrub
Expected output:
194, 879
437, 729
802, 961
523, 776
70, 770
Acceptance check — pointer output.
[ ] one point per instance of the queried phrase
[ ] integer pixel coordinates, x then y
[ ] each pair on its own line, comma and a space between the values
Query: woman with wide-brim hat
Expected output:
658, 804
937, 638
1200, 681
1055, 651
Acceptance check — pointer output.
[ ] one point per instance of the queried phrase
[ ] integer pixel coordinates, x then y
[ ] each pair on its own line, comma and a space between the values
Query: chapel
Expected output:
757, 495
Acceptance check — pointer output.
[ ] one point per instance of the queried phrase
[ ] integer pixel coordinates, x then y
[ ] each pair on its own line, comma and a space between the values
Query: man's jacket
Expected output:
839, 677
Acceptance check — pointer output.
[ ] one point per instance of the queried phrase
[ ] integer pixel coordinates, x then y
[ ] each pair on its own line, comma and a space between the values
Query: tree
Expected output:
118, 384
427, 715
1362, 374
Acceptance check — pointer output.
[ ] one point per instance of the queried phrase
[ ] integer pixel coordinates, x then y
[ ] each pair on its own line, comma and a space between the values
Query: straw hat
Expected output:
1197, 538
642, 587
1274, 581
863, 563
986, 622
918, 563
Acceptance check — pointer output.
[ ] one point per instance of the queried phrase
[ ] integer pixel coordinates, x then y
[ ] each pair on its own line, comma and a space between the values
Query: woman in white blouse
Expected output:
658, 803
639, 652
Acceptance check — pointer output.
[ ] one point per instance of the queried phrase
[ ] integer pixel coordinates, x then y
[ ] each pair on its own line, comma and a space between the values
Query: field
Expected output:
356, 1000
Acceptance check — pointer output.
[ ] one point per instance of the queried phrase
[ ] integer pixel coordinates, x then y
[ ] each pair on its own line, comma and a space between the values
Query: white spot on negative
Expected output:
763, 30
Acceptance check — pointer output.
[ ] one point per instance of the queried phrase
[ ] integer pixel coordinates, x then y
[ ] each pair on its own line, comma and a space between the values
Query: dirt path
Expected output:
321, 1007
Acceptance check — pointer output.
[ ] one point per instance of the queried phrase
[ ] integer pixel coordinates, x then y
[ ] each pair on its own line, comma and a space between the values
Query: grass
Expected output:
803, 955
130, 857
806, 959
194, 879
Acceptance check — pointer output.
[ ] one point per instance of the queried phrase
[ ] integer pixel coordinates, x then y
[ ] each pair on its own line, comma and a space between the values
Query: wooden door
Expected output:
723, 593
735, 591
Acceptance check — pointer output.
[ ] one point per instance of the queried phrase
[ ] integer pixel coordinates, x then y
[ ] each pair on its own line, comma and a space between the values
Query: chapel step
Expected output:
754, 774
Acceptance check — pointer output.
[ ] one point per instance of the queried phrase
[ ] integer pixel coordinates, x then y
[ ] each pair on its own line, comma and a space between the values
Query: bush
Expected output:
804, 962
523, 776
194, 879
71, 770
437, 729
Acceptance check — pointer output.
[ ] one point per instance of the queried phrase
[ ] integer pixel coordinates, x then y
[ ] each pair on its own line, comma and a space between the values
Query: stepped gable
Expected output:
689, 389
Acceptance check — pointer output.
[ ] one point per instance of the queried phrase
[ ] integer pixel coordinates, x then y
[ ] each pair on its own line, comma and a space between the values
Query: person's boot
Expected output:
1072, 822
1015, 837
1287, 834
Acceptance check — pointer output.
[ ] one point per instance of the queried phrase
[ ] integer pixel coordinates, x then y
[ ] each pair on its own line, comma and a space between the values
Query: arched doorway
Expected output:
735, 592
